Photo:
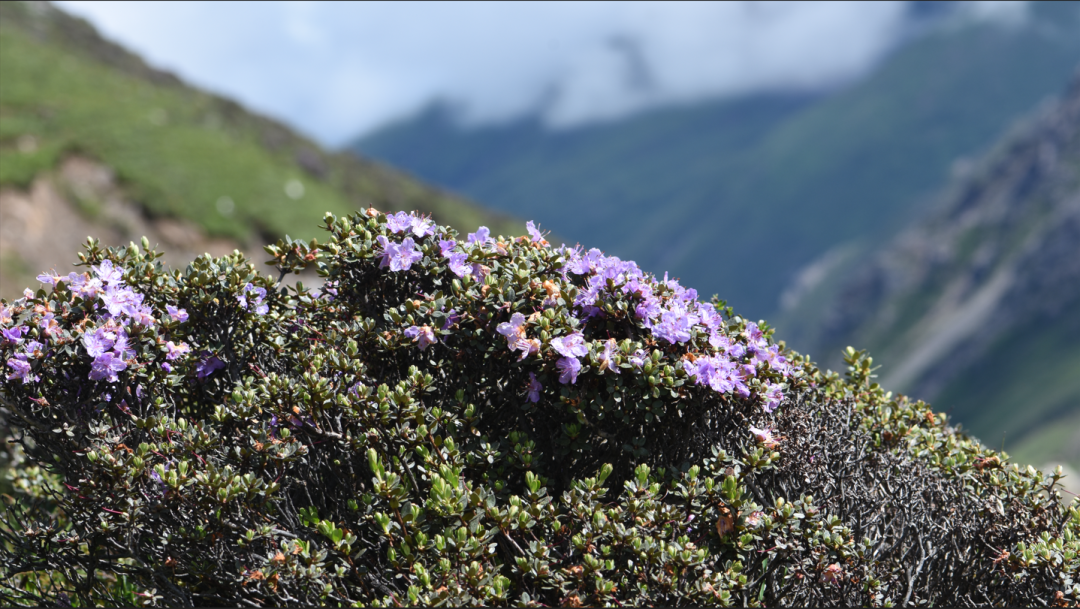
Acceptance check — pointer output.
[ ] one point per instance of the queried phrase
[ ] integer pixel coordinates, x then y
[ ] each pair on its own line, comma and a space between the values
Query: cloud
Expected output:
336, 69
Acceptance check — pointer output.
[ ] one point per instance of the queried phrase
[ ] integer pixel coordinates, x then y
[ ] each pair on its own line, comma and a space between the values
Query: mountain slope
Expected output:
734, 196
975, 306
177, 152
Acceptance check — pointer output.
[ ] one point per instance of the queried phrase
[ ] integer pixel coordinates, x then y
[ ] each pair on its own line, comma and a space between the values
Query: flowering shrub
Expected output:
487, 421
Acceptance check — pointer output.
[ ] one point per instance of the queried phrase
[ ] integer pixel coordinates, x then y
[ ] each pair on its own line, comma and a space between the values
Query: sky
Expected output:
337, 70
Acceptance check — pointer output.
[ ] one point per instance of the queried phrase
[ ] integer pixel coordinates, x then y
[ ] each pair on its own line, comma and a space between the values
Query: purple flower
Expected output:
571, 345
774, 394
119, 300
514, 331
675, 325
120, 346
109, 274
422, 227
99, 341
179, 315
423, 335
206, 366
459, 263
638, 358
481, 236
166, 366
607, 358
536, 235
446, 246
452, 318
568, 369
20, 369
106, 366
6, 313
33, 348
48, 278
257, 295
765, 436
85, 287
13, 335
399, 257
534, 388
175, 351
719, 373
399, 222
48, 324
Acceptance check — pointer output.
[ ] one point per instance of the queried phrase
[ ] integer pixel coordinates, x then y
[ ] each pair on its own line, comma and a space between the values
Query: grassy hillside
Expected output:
735, 196
180, 152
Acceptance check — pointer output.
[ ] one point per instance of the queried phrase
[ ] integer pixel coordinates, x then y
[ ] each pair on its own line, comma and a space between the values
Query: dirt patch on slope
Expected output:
46, 226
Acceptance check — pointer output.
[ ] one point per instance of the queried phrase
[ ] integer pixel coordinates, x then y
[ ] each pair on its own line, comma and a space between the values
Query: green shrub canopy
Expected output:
487, 421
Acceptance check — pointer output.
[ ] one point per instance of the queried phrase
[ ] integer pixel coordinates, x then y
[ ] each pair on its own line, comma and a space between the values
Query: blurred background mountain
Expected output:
897, 176
734, 195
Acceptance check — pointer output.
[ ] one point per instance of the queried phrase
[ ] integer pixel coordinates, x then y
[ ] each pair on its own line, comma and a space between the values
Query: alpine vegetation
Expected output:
487, 421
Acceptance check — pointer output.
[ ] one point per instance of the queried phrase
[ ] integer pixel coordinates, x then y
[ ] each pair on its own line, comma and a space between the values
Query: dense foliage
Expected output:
487, 421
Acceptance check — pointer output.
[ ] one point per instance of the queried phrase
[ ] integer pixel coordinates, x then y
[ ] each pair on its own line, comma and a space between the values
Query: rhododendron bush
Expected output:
489, 421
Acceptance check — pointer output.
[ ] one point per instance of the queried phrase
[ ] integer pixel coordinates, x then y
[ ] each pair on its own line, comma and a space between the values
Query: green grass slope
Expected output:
734, 196
178, 150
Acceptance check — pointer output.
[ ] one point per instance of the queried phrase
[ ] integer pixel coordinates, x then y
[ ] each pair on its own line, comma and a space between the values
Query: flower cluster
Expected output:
257, 295
514, 331
401, 256
106, 335
674, 314
720, 359
19, 364
402, 222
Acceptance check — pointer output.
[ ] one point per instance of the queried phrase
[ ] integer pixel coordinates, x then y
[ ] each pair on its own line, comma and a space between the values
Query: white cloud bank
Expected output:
337, 69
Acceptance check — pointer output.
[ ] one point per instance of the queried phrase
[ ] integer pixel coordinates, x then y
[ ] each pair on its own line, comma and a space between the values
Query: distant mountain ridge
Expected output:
163, 151
977, 306
736, 196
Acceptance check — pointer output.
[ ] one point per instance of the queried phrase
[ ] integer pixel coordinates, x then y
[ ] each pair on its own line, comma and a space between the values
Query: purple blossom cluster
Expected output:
256, 296
25, 350
107, 284
117, 311
179, 315
401, 256
570, 347
402, 222
458, 259
674, 314
669, 311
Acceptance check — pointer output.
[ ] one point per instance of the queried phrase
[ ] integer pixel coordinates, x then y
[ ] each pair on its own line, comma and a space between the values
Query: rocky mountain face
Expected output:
976, 307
